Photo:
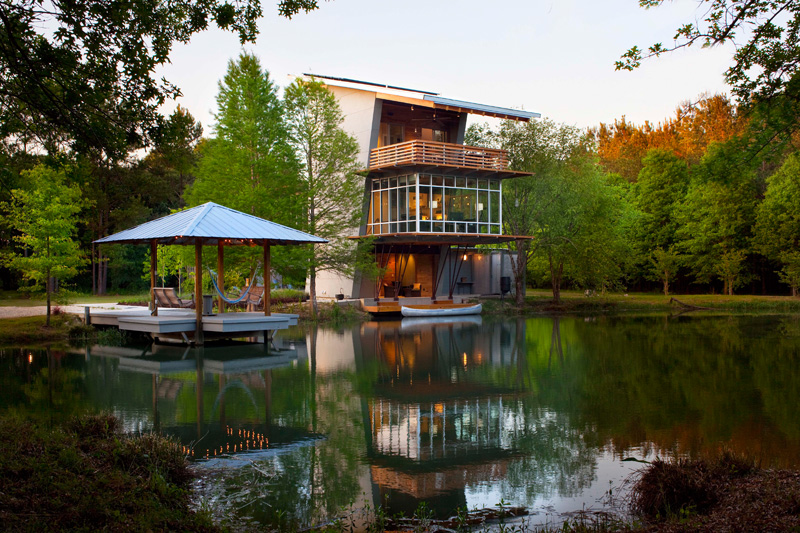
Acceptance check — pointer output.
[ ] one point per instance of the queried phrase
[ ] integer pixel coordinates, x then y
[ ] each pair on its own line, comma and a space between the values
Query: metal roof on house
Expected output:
213, 223
483, 109
427, 98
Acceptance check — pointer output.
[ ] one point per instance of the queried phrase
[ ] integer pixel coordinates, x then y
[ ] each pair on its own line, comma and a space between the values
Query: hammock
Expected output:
242, 296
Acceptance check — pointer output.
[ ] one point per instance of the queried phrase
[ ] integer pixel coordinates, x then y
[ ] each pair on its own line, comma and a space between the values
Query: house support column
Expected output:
267, 280
221, 275
153, 267
198, 291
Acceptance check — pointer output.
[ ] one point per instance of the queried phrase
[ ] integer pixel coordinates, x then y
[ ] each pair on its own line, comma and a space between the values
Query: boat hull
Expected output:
441, 311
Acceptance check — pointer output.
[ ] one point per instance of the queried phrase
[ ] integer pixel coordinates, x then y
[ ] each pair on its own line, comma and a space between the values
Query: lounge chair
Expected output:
167, 297
254, 300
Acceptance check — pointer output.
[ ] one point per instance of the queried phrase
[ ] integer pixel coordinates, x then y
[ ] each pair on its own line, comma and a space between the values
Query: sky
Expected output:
555, 57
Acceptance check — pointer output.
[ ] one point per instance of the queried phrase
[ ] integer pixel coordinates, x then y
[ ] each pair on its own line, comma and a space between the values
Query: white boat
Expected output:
441, 311
425, 322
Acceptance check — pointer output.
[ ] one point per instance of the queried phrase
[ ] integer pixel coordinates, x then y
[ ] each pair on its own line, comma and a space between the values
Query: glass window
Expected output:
402, 203
424, 203
438, 227
449, 181
384, 183
393, 205
483, 206
401, 181
384, 206
412, 203
461, 182
494, 207
425, 226
472, 183
437, 203
393, 182
376, 184
412, 179
375, 208
437, 180
425, 179
494, 185
483, 184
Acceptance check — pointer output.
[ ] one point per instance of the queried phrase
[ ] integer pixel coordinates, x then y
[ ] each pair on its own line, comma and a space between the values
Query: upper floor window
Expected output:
391, 134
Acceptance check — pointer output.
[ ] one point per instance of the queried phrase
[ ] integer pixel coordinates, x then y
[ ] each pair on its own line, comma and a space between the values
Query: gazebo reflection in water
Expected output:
210, 425
445, 410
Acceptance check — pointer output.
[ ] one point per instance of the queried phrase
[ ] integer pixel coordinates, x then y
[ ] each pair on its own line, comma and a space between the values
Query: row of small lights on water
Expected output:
251, 440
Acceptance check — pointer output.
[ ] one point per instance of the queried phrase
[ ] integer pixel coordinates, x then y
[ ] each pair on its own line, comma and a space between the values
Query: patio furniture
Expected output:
254, 300
167, 297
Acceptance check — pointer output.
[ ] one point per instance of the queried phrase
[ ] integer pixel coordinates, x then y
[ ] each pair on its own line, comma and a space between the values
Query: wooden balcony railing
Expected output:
437, 153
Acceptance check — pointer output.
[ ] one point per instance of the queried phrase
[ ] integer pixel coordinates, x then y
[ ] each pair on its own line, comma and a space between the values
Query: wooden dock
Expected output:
181, 324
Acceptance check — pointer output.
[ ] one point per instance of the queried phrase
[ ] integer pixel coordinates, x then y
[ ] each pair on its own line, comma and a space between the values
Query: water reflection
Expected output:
463, 412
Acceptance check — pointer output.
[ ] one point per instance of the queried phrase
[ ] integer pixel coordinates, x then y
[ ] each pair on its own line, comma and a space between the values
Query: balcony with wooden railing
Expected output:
438, 154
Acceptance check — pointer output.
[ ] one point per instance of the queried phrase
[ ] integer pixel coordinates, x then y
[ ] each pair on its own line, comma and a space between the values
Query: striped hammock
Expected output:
242, 296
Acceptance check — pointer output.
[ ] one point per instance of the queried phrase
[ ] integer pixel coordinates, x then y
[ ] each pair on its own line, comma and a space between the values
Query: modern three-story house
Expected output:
429, 199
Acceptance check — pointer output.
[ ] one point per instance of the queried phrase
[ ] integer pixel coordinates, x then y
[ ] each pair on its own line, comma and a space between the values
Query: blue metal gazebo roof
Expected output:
212, 223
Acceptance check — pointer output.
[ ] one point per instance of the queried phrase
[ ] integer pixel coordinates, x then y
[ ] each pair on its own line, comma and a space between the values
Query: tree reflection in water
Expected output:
460, 413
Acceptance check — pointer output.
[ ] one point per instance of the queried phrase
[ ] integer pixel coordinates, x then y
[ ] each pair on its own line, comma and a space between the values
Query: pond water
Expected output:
536, 412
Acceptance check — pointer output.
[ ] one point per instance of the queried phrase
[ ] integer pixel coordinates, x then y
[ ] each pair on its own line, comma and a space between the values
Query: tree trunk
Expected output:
519, 267
666, 284
794, 291
556, 272
312, 292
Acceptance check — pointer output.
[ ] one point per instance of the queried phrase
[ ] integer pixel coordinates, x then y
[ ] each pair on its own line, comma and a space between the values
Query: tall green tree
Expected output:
250, 165
174, 156
45, 214
87, 70
777, 230
331, 188
716, 219
568, 208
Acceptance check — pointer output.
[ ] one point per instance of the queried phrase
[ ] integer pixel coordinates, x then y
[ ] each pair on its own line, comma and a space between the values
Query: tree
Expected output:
44, 215
331, 188
767, 38
777, 229
174, 156
715, 221
87, 70
665, 265
250, 164
573, 214
661, 186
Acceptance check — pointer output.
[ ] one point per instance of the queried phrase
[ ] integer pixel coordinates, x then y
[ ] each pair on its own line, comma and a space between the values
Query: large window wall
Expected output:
431, 203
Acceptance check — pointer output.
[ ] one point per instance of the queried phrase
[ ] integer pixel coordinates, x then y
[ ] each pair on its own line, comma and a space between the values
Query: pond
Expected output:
466, 413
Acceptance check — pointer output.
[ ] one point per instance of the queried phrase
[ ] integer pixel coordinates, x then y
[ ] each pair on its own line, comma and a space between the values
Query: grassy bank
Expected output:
85, 476
540, 302
32, 330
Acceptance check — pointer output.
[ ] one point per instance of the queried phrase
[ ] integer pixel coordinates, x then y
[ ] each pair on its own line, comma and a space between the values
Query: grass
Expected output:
85, 475
31, 329
574, 302
18, 299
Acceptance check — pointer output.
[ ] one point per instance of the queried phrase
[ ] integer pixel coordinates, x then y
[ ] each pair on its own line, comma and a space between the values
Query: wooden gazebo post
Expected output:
267, 280
221, 274
198, 290
153, 267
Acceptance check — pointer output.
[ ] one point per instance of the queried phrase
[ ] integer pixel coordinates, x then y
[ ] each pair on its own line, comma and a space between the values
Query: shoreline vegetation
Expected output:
85, 473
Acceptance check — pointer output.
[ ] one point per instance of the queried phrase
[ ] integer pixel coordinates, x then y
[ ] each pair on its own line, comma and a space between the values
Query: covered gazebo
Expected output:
207, 225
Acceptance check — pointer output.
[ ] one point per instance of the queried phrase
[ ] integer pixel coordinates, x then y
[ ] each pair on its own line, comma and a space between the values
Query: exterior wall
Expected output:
362, 112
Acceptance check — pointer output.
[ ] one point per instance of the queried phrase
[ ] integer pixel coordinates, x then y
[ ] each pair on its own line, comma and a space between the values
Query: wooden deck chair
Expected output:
254, 300
167, 297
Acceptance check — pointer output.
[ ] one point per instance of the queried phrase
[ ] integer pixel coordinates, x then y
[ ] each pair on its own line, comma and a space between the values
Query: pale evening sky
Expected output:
555, 56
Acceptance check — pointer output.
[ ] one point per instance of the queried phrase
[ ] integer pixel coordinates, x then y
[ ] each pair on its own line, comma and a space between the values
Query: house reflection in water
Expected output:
444, 411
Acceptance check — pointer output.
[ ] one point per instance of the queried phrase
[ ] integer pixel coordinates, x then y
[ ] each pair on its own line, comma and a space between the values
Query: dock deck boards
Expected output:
172, 322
